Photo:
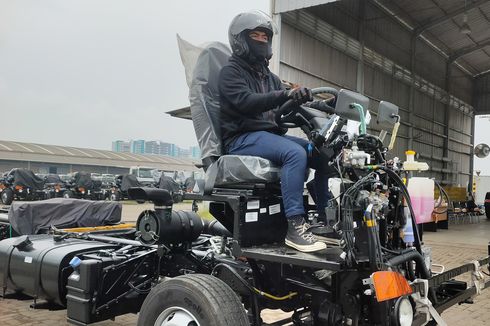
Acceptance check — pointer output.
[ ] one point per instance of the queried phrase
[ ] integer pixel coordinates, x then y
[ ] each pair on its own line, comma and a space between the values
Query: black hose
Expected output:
409, 256
442, 191
410, 270
214, 227
103, 238
404, 189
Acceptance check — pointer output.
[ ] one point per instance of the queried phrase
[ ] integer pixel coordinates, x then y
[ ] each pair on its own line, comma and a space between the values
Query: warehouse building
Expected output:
61, 159
431, 58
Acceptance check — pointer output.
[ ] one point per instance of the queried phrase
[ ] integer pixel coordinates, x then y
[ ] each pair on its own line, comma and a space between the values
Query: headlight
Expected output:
403, 312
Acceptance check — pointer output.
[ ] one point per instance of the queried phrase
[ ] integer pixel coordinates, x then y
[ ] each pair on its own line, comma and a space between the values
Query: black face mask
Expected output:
259, 51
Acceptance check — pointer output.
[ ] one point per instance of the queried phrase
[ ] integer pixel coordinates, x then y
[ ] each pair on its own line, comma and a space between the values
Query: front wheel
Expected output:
68, 194
192, 300
7, 196
115, 196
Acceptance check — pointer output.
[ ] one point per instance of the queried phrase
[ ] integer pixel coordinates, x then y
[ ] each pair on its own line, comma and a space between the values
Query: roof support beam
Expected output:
360, 35
437, 21
486, 72
467, 50
278, 7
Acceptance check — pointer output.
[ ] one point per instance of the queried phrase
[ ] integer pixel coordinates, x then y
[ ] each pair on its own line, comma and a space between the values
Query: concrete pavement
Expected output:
458, 245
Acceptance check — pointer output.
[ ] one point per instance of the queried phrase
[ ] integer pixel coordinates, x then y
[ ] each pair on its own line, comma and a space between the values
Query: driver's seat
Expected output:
222, 171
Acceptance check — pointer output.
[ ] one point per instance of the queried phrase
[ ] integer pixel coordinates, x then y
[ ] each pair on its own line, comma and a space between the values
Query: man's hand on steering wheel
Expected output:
300, 94
288, 115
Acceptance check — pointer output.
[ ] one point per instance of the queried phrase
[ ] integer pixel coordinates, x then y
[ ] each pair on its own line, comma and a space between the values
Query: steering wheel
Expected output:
289, 115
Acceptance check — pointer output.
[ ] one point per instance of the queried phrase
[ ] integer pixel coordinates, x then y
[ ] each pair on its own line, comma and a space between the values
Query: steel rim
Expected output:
176, 316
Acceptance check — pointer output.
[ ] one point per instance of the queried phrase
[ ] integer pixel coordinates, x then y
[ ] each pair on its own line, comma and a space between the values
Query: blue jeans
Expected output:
290, 153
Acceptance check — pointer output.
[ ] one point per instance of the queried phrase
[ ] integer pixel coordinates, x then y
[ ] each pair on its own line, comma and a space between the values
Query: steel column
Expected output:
447, 87
276, 41
360, 60
472, 155
411, 99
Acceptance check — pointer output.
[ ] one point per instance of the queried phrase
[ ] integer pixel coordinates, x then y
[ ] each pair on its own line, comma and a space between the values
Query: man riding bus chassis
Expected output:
175, 268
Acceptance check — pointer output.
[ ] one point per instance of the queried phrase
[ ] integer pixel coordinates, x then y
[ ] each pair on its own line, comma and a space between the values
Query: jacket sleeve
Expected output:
235, 89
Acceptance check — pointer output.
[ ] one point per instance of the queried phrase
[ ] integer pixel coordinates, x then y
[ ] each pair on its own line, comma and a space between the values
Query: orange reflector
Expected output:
18, 187
2, 186
81, 189
390, 285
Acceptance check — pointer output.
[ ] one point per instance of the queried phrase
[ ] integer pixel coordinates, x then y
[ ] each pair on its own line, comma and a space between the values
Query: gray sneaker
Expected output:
299, 238
325, 234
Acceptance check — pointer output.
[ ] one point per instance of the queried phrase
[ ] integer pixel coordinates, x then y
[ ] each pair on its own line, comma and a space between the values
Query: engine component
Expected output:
165, 226
38, 266
329, 314
109, 283
355, 158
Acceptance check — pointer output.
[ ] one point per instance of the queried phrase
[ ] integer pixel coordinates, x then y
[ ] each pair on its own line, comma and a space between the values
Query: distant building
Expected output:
121, 146
195, 152
152, 147
42, 158
183, 152
138, 146
168, 149
155, 147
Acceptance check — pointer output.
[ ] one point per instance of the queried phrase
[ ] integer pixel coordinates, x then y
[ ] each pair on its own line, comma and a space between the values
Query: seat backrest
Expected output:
205, 101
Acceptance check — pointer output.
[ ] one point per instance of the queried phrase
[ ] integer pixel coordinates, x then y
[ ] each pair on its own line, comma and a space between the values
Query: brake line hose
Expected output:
273, 297
360, 109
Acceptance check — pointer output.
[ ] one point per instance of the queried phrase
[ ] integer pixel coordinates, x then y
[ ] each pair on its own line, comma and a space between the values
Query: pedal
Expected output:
331, 213
325, 234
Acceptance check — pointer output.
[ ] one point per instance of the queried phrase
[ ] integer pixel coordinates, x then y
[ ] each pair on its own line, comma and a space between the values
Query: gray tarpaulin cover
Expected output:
53, 179
168, 183
205, 62
83, 179
129, 181
27, 178
37, 217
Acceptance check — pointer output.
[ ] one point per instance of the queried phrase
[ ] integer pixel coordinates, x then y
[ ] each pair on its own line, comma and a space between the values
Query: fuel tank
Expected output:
38, 265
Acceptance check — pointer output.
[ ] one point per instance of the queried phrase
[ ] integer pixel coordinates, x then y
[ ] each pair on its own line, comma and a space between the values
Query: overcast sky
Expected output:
87, 72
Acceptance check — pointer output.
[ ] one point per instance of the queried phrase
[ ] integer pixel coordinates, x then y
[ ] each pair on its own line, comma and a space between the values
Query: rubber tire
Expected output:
7, 196
115, 196
50, 194
206, 297
68, 194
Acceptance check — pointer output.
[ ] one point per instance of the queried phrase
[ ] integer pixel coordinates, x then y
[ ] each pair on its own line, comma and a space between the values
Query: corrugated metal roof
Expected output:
19, 151
440, 22
420, 10
448, 5
279, 6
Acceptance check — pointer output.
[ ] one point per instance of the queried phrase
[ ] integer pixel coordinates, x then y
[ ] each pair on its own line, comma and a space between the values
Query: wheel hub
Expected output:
176, 316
